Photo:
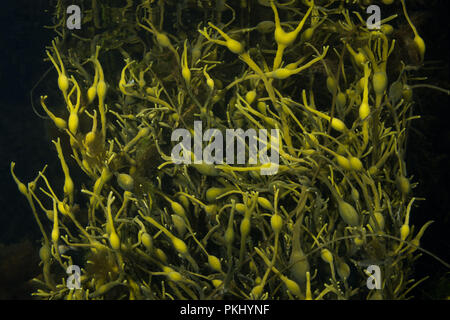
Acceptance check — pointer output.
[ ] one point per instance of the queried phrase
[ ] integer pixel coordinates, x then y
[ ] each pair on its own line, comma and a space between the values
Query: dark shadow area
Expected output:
24, 139
428, 156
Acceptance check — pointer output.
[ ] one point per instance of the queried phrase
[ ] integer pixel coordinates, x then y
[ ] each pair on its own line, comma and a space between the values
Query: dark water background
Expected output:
25, 139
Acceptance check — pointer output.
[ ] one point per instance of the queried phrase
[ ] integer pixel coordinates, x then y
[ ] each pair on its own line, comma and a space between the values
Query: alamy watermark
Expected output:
74, 17
374, 20
374, 279
229, 147
74, 278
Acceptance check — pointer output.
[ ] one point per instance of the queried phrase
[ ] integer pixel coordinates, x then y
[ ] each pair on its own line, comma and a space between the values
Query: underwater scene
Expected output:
225, 150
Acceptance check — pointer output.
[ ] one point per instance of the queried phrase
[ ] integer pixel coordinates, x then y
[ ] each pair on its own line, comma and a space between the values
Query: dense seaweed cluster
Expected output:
143, 226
